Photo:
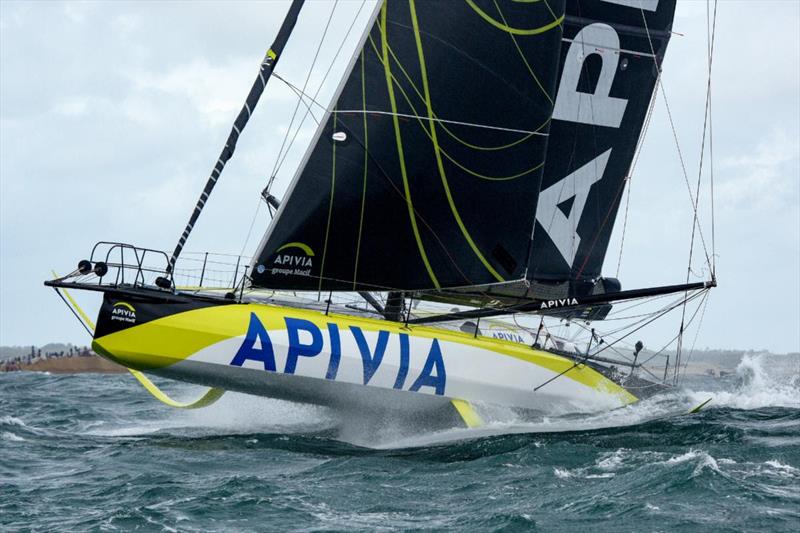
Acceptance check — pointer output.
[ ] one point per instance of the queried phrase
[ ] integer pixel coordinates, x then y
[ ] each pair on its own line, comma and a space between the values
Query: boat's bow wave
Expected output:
756, 386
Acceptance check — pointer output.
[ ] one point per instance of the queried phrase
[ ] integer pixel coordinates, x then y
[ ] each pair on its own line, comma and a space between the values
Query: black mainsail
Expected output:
610, 61
425, 174
496, 179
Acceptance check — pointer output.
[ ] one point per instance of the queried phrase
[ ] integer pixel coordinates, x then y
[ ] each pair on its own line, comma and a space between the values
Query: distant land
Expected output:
56, 358
68, 358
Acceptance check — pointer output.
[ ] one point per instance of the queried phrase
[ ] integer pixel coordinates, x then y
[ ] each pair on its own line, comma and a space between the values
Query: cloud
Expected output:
71, 107
77, 11
127, 23
216, 91
764, 179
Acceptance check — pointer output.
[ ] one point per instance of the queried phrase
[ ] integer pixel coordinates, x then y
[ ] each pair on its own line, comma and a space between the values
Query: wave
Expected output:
9, 420
240, 414
757, 386
234, 414
10, 437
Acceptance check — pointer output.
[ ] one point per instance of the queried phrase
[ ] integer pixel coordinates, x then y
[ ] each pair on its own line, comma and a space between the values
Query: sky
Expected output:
112, 115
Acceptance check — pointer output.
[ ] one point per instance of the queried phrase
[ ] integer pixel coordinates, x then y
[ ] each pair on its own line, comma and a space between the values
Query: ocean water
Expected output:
96, 453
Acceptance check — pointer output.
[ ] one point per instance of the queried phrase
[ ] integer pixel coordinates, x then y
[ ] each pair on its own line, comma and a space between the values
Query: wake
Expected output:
755, 386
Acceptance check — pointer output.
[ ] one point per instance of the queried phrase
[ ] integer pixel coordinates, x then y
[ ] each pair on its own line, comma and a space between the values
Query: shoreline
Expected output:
83, 364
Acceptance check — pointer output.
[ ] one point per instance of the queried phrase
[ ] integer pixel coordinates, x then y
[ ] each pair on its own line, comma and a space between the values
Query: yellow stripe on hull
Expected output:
478, 368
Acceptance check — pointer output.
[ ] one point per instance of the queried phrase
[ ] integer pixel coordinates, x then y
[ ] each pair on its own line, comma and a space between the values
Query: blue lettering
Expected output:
426, 377
336, 352
371, 360
402, 372
248, 350
293, 328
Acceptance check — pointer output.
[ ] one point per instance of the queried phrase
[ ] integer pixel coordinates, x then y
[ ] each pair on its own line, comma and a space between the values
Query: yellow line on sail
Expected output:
434, 139
444, 125
509, 29
442, 150
524, 59
306, 248
401, 157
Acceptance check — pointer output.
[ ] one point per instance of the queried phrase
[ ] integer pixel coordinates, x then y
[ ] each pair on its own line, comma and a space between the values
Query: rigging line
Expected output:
624, 224
695, 222
422, 219
612, 334
451, 159
299, 92
669, 343
638, 152
443, 122
252, 225
301, 97
366, 165
90, 332
330, 213
266, 68
555, 17
599, 335
524, 59
607, 346
711, 143
316, 93
660, 85
537, 131
305, 84
436, 149
679, 336
671, 304
615, 314
399, 142
704, 303
706, 116
518, 31
600, 229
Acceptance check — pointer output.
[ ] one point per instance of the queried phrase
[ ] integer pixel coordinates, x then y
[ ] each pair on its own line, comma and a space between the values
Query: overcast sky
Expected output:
112, 115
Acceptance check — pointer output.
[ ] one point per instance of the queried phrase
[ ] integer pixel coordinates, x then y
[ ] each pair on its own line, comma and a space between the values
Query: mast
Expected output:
264, 73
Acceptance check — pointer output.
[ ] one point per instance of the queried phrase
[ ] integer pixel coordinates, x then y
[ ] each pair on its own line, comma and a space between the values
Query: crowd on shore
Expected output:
21, 361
